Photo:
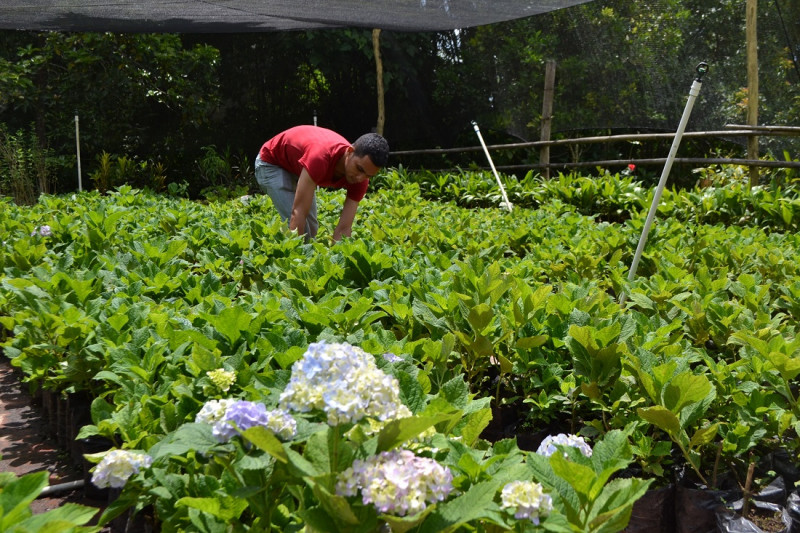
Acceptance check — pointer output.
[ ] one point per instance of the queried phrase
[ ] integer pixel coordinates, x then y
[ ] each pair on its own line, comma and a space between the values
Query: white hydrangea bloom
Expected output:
281, 424
527, 500
344, 382
548, 445
117, 466
396, 482
213, 411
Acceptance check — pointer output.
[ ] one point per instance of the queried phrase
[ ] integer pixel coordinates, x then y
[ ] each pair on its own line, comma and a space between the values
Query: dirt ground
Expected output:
25, 446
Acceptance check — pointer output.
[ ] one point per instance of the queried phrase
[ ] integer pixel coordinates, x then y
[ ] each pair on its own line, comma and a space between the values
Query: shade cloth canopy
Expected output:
223, 16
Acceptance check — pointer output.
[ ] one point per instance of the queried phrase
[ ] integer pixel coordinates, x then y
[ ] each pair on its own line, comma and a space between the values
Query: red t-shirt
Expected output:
315, 149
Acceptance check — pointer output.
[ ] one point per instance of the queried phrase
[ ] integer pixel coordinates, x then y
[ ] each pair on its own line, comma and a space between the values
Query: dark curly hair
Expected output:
374, 146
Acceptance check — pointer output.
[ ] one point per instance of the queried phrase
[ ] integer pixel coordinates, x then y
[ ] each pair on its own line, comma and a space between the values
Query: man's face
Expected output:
358, 169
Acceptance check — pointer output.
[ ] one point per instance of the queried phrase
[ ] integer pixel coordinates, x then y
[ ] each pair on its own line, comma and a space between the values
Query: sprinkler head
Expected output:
702, 68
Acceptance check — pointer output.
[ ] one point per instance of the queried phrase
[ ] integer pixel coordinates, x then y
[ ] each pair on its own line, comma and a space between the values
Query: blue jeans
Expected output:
281, 185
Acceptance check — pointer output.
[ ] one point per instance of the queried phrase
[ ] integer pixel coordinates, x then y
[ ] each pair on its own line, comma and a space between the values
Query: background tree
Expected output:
622, 66
142, 95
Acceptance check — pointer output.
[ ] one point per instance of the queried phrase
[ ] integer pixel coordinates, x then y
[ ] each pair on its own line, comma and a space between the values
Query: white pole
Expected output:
78, 149
702, 68
494, 170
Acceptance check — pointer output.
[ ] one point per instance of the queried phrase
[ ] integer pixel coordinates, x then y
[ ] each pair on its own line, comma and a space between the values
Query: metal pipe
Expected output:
491, 163
78, 149
702, 68
62, 487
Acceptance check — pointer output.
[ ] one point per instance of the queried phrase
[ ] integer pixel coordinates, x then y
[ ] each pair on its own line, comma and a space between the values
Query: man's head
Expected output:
374, 146
366, 157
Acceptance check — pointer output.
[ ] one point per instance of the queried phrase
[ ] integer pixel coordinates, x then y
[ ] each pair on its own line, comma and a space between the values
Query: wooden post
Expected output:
376, 47
547, 115
752, 84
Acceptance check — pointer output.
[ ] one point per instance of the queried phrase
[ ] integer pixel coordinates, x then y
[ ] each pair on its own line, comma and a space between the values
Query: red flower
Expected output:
631, 167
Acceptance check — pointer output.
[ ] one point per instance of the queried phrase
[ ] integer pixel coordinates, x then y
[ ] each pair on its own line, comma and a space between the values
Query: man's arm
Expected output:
345, 225
303, 197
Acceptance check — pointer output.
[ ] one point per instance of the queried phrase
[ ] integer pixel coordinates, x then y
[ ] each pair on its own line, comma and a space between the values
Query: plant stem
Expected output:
746, 492
335, 449
695, 467
716, 466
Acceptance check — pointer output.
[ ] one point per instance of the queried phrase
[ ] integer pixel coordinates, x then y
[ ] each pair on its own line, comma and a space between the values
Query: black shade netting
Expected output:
219, 16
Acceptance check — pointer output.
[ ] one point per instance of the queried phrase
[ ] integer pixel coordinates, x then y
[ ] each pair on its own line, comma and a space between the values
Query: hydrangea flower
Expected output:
213, 411
117, 466
396, 482
548, 445
344, 382
222, 379
44, 231
392, 358
229, 417
527, 500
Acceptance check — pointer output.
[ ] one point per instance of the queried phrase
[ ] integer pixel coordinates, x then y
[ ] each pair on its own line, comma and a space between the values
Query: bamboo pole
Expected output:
697, 161
376, 47
752, 84
547, 115
745, 131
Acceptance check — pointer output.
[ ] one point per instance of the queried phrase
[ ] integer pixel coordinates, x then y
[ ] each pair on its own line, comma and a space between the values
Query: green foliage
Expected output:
24, 167
155, 92
134, 297
16, 495
591, 499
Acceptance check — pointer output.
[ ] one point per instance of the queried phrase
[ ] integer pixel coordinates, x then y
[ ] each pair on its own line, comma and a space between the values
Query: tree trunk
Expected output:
376, 46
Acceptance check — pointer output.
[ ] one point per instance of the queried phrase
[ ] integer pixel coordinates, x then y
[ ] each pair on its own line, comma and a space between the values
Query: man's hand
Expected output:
303, 198
345, 225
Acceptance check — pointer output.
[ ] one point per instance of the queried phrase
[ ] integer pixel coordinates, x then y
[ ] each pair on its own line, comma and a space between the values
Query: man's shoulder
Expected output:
316, 134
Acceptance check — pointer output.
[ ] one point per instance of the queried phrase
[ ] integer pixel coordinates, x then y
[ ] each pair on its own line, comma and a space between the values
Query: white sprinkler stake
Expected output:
494, 170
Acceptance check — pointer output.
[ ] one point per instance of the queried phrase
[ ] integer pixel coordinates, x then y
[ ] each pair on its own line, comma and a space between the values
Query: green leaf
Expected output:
226, 507
64, 518
299, 465
580, 477
411, 393
17, 495
476, 422
526, 343
456, 392
402, 524
396, 432
476, 504
188, 437
704, 435
662, 418
479, 317
611, 511
684, 389
266, 441
232, 321
336, 506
